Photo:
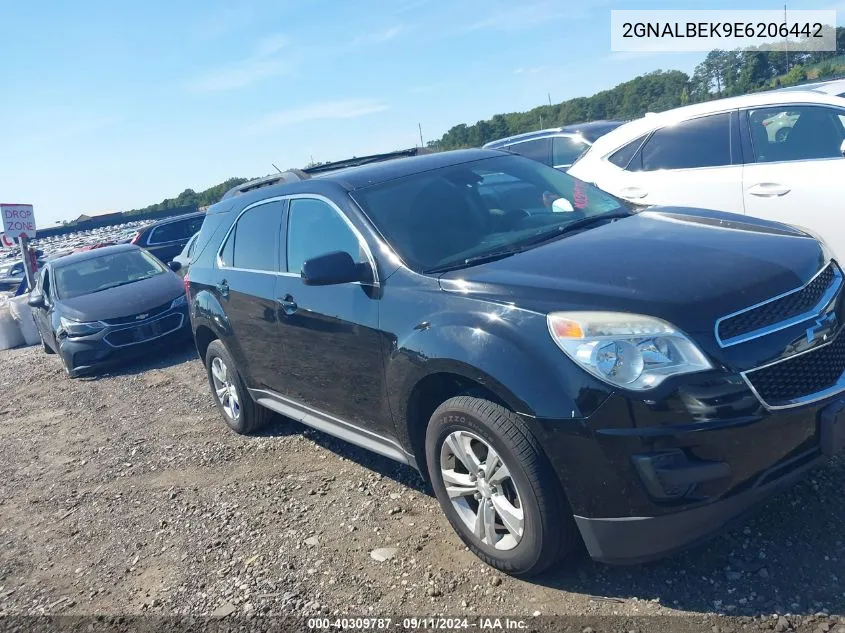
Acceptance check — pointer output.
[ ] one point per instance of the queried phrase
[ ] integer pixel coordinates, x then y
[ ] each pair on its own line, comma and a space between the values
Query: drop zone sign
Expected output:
18, 219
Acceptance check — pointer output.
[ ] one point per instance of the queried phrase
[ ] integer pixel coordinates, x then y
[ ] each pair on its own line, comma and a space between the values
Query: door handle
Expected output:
768, 190
223, 288
633, 192
288, 305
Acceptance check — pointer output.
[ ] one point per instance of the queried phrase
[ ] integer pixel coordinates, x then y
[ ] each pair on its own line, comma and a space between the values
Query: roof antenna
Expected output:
277, 169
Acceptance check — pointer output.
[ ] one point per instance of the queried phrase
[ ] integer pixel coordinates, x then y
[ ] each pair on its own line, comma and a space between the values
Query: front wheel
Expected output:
496, 487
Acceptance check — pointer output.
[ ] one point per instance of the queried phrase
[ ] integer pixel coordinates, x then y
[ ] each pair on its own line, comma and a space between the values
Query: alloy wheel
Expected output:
482, 490
224, 387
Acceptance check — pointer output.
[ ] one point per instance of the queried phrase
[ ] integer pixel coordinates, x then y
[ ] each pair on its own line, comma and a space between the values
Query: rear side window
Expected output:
538, 149
702, 142
253, 242
174, 231
796, 133
622, 157
315, 228
566, 150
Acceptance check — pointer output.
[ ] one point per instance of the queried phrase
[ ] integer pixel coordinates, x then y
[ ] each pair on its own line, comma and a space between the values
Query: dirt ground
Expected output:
126, 494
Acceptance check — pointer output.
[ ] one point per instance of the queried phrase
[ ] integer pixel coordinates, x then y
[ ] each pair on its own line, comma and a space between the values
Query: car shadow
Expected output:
282, 426
176, 353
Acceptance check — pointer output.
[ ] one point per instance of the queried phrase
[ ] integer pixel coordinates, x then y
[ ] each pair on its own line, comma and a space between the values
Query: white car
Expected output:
719, 155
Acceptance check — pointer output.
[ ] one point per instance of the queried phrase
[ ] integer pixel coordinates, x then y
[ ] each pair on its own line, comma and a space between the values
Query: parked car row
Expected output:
560, 366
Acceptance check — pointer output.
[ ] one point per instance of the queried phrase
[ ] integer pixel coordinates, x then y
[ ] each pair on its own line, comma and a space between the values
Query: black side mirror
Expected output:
36, 300
174, 266
337, 267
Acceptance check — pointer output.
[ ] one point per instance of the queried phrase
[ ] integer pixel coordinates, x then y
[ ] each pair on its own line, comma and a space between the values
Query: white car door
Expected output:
693, 163
798, 177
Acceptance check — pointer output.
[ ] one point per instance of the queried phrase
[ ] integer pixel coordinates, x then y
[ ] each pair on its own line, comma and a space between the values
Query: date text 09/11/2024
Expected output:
421, 623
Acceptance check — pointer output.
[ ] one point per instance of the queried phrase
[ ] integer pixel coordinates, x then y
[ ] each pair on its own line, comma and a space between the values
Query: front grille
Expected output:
134, 317
801, 376
796, 303
145, 332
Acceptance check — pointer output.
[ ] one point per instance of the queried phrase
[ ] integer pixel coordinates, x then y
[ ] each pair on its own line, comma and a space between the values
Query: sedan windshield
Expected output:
106, 271
467, 213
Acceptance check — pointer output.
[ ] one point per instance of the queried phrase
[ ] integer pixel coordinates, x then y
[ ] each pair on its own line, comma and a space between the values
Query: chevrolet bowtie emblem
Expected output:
141, 317
824, 322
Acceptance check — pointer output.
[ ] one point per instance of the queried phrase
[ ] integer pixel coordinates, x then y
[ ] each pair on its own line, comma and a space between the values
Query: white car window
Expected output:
796, 133
701, 142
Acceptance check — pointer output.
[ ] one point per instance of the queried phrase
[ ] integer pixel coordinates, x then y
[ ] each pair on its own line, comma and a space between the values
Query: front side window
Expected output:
254, 239
566, 150
786, 133
450, 217
315, 228
538, 149
103, 272
701, 142
45, 284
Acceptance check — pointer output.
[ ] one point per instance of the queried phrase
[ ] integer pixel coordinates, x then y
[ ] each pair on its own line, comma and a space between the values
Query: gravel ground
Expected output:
126, 494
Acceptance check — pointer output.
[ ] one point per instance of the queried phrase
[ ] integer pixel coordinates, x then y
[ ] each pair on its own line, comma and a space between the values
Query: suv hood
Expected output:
686, 266
123, 301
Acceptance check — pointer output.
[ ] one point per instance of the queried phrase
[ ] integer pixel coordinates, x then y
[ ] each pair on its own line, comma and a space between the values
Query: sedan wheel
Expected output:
226, 391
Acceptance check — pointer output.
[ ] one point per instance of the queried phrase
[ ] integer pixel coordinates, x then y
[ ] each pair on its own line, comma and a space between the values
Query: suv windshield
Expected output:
104, 272
461, 214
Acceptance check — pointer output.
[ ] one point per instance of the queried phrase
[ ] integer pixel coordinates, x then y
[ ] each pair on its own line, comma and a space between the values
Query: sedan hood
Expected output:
122, 301
686, 266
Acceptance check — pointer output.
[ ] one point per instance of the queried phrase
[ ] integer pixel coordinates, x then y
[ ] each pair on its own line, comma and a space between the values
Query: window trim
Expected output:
287, 199
219, 260
531, 140
573, 136
748, 141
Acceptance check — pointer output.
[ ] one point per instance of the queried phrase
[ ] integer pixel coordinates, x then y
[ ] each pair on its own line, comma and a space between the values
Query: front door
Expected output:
44, 316
796, 171
330, 339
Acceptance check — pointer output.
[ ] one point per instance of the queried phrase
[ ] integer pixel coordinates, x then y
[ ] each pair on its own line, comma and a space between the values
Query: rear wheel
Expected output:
239, 410
496, 487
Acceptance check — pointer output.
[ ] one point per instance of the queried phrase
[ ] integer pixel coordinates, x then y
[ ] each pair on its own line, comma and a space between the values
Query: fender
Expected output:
508, 351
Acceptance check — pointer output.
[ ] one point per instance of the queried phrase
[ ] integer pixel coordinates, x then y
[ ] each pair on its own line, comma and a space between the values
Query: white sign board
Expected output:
18, 219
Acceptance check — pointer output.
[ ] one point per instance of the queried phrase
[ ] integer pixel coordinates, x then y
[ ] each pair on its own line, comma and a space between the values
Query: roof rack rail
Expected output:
366, 160
294, 174
290, 175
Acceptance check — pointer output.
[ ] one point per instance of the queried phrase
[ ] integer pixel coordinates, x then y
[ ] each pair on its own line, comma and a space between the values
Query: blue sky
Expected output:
114, 105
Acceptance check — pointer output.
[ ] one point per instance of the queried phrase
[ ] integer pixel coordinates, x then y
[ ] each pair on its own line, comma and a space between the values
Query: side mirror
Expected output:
174, 266
333, 268
36, 300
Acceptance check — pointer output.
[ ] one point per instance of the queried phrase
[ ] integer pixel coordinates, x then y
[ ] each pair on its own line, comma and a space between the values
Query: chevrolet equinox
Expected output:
559, 367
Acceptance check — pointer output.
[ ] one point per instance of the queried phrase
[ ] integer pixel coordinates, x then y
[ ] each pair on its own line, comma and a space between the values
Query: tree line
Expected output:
720, 74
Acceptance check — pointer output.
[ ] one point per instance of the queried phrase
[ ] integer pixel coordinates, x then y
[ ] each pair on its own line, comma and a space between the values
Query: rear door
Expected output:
330, 340
246, 274
795, 172
695, 163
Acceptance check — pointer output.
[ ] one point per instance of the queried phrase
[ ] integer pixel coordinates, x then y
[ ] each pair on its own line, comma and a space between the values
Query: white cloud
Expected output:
265, 62
379, 36
326, 110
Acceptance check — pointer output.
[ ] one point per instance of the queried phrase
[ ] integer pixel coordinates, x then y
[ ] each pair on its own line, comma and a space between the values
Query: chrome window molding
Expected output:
834, 389
826, 298
290, 198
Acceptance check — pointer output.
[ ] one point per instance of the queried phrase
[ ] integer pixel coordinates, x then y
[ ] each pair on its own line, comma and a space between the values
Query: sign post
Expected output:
19, 223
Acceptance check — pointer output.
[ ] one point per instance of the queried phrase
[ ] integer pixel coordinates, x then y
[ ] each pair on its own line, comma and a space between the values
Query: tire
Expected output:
47, 349
548, 531
240, 413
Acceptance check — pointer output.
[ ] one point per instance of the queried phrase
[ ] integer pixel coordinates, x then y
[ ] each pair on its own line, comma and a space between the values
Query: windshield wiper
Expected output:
583, 223
471, 261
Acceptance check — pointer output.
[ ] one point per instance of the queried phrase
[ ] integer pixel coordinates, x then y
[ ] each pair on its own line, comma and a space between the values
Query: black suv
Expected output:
557, 366
166, 239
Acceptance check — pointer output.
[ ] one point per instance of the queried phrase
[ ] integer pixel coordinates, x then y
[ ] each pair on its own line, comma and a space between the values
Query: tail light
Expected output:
136, 238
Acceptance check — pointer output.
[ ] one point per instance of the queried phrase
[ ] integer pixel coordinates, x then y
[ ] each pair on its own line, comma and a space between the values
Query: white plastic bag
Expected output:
22, 313
10, 331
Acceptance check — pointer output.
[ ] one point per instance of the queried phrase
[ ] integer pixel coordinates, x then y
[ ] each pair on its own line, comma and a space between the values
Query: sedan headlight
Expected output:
179, 301
632, 351
78, 328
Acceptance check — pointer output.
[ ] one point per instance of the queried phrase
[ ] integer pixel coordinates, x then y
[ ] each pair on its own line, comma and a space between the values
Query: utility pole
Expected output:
786, 40
29, 272
422, 143
550, 99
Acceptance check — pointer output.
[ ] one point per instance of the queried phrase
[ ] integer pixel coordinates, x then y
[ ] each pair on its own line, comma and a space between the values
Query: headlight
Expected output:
179, 301
626, 350
77, 328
